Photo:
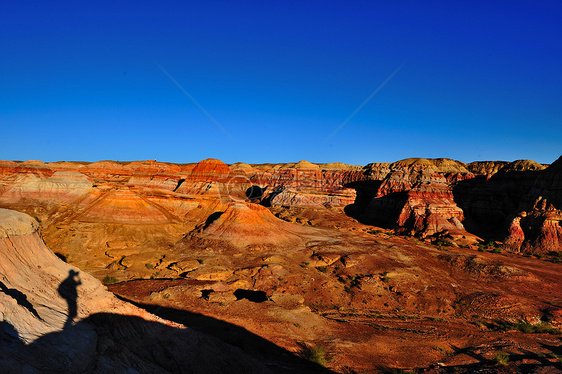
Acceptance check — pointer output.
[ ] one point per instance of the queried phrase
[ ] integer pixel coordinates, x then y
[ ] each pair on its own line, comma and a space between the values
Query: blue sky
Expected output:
479, 80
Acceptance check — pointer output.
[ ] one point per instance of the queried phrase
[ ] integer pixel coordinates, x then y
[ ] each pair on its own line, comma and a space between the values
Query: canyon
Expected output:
426, 264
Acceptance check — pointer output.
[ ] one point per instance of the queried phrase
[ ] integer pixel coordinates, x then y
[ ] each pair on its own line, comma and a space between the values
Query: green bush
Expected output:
501, 358
527, 328
110, 280
313, 353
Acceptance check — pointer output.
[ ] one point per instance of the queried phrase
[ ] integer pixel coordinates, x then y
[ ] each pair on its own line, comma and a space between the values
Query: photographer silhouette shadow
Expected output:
68, 290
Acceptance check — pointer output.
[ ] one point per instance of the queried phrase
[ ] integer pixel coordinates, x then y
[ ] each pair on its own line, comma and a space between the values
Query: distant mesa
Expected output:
522, 165
443, 165
306, 165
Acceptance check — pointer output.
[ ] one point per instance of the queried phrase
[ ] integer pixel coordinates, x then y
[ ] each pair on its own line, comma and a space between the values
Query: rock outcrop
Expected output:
244, 227
414, 197
537, 225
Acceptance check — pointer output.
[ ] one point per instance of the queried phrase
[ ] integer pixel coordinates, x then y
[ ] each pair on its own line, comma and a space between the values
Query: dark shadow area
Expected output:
179, 184
212, 218
20, 298
205, 294
266, 201
278, 359
68, 291
61, 256
106, 342
255, 192
371, 210
253, 296
469, 352
489, 204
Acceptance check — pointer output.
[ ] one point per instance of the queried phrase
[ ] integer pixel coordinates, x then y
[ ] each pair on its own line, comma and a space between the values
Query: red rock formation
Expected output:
28, 190
126, 207
253, 228
34, 167
204, 177
107, 171
487, 168
153, 174
309, 185
416, 197
536, 226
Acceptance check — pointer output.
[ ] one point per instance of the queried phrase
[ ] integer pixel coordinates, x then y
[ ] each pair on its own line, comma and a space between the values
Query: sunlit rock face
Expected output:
420, 197
414, 196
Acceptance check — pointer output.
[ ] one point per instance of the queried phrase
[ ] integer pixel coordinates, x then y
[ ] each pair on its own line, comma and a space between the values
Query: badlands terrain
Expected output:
422, 265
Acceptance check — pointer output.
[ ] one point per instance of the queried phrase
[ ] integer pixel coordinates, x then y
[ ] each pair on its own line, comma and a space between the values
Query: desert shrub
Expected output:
149, 266
527, 328
110, 280
501, 358
384, 277
545, 327
322, 269
313, 353
443, 242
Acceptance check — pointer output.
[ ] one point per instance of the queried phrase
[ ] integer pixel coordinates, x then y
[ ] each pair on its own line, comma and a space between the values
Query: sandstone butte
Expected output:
420, 263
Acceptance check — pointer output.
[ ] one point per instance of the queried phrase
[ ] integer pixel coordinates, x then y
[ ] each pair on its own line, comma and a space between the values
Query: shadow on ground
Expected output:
278, 359
115, 343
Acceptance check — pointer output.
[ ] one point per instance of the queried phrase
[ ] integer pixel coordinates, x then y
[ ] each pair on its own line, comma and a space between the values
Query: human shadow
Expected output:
68, 291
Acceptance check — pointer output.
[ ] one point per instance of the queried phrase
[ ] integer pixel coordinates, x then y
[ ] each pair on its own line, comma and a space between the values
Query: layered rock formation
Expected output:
421, 197
244, 227
537, 225
415, 196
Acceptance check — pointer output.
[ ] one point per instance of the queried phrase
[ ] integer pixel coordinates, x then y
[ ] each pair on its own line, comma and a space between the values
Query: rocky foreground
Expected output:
428, 264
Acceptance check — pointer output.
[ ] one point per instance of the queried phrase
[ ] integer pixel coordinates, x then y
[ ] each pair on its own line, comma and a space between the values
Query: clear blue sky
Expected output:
80, 80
